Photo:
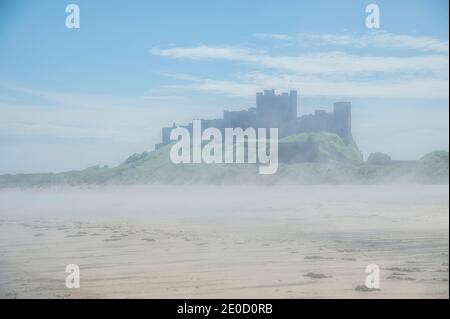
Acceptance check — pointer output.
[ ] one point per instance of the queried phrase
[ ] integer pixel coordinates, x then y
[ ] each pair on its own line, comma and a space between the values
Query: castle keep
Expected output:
280, 111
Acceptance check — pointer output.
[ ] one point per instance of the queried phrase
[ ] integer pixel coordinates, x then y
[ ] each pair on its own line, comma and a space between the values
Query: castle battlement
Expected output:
280, 111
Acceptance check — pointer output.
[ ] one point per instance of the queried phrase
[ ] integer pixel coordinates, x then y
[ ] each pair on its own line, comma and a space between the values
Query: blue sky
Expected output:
71, 98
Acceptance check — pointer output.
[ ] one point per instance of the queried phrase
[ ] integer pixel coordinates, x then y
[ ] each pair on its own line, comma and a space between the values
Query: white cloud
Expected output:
246, 86
274, 36
204, 52
328, 63
325, 73
383, 39
372, 39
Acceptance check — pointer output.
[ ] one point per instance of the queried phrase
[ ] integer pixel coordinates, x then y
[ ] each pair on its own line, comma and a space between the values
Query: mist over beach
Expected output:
225, 242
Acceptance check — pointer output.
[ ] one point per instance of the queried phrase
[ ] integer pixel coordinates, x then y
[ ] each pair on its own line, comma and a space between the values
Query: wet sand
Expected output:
225, 242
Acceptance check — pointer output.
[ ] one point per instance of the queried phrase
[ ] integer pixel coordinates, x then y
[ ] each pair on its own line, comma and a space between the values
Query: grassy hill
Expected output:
317, 147
434, 166
308, 158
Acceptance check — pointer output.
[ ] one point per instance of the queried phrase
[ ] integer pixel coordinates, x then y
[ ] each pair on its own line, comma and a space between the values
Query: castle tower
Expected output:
274, 110
342, 121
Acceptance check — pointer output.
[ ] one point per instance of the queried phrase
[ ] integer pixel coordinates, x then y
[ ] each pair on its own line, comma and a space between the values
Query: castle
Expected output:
280, 111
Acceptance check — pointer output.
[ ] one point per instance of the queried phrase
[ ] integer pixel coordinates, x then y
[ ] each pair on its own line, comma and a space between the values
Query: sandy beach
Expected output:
225, 242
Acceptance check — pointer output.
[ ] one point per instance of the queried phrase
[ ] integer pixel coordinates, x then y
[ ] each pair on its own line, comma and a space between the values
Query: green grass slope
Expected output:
312, 158
317, 147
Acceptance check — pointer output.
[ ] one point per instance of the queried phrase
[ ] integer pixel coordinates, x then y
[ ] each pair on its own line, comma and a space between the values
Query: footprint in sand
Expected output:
202, 244
317, 257
73, 235
399, 269
441, 279
316, 275
364, 288
441, 270
119, 236
11, 295
348, 250
400, 278
112, 239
